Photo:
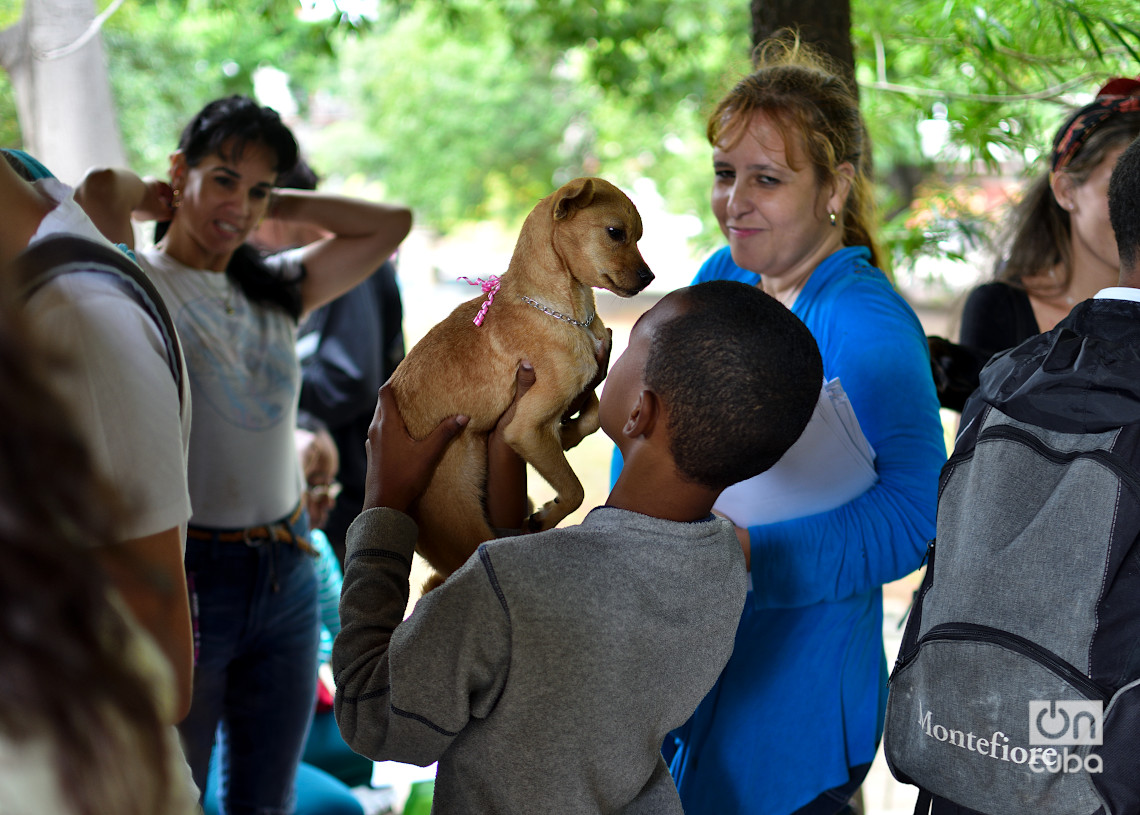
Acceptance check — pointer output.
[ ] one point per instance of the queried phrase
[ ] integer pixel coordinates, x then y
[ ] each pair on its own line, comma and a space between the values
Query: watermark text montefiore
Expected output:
1039, 759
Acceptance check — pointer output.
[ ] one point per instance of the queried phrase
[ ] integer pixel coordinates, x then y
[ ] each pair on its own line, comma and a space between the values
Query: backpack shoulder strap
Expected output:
53, 257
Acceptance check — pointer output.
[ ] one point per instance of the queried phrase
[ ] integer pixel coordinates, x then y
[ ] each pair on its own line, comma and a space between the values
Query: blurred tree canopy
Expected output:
470, 109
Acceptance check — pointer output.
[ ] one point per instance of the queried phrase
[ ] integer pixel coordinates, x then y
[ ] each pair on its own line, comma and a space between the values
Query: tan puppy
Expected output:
584, 235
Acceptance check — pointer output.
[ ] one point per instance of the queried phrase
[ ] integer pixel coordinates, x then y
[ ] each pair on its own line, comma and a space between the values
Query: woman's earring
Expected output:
831, 217
176, 198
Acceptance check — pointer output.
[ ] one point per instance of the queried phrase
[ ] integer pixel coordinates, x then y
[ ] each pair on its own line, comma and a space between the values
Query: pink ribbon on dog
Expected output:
490, 286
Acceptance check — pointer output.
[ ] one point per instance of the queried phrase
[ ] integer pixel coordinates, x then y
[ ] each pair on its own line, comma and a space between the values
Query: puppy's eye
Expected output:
615, 233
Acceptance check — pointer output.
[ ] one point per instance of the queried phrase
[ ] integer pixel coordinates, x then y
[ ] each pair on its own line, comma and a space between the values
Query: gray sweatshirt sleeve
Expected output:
405, 689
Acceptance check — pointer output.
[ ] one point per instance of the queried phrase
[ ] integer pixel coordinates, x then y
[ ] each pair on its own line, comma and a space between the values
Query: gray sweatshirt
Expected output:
544, 675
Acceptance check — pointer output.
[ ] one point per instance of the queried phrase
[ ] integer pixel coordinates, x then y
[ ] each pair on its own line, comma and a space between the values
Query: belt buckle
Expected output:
252, 543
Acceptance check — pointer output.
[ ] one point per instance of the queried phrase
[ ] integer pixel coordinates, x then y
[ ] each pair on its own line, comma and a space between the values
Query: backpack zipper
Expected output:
972, 632
907, 649
1112, 461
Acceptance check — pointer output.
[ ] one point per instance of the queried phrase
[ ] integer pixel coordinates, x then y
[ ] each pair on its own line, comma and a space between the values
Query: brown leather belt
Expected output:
278, 531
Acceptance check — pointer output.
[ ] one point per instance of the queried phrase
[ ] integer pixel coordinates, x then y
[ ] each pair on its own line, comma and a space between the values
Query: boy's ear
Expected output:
643, 418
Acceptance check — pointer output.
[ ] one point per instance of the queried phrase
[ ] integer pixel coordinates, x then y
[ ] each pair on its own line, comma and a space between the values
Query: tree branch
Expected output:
1046, 95
1006, 51
82, 39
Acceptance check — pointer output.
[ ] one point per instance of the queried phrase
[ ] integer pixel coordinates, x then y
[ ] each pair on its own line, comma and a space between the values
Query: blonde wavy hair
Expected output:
814, 108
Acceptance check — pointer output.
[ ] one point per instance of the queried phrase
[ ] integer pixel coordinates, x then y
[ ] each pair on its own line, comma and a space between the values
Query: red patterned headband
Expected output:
1121, 95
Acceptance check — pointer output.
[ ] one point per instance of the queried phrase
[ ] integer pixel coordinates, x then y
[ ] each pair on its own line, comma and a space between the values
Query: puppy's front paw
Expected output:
571, 433
548, 517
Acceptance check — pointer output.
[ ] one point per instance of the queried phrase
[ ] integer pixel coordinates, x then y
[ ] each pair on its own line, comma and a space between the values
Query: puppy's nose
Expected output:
645, 276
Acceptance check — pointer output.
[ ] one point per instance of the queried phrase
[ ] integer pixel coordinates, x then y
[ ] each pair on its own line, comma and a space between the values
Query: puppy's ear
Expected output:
573, 196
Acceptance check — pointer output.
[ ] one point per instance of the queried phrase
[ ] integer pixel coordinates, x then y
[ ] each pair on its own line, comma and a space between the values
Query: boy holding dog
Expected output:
544, 675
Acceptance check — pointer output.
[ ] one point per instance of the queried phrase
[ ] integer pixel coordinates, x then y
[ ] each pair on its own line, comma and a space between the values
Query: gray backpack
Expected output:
1017, 686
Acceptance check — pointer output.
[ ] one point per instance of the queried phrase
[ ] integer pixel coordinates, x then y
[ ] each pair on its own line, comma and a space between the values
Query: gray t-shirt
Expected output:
545, 673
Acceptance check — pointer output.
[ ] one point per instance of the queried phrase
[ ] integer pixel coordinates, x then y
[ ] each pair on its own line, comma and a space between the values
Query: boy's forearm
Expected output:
506, 485
378, 561
405, 694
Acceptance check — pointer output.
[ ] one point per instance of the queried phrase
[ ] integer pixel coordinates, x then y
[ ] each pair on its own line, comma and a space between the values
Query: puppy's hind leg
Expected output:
450, 514
541, 447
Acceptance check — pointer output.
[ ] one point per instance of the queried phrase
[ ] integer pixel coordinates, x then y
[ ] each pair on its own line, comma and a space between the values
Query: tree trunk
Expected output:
58, 69
823, 23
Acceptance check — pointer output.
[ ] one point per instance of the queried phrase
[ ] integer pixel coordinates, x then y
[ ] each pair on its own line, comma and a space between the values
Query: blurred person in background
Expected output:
348, 349
248, 560
1059, 246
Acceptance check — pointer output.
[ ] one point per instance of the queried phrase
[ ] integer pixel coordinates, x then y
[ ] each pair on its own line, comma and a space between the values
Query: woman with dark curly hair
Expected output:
84, 695
248, 563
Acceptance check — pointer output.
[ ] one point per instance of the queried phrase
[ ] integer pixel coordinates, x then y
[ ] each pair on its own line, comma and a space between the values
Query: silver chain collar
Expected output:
557, 314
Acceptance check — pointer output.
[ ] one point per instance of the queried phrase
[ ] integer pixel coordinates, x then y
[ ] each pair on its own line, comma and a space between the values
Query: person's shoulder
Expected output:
855, 292
720, 266
851, 272
94, 299
158, 266
608, 539
996, 295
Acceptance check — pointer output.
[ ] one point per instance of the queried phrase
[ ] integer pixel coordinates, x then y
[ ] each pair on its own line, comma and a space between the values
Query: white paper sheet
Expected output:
829, 464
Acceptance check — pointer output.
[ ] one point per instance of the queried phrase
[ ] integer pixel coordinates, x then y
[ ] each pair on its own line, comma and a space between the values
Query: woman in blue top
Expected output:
794, 721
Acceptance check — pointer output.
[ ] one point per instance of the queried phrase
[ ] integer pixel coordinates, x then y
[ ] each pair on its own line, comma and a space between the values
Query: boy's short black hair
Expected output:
1124, 206
740, 376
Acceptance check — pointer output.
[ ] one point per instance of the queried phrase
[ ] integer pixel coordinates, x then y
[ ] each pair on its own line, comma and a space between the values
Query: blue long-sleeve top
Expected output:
803, 696
871, 339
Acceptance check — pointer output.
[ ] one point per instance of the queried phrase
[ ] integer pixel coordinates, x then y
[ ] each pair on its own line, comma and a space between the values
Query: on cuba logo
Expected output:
1066, 722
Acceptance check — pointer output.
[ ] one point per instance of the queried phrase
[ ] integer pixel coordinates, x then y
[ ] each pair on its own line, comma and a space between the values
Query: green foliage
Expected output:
468, 113
169, 58
1003, 71
470, 109
648, 52
9, 124
1002, 76
450, 122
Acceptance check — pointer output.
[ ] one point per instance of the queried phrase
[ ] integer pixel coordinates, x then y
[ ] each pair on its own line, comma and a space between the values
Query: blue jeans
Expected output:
255, 675
318, 793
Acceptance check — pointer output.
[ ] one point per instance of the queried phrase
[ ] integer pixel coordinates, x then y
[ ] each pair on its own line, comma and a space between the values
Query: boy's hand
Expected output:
399, 467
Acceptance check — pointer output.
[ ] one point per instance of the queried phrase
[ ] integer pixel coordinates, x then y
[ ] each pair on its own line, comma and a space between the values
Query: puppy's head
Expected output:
595, 231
